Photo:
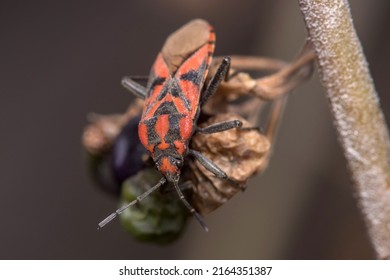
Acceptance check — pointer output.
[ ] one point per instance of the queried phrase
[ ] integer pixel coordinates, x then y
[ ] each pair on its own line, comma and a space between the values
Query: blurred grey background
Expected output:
60, 60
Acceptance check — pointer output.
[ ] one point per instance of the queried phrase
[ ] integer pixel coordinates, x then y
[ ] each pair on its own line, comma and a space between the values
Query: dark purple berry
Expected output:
127, 153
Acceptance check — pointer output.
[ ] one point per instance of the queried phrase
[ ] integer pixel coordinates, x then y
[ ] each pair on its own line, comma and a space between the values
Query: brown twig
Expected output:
357, 115
270, 87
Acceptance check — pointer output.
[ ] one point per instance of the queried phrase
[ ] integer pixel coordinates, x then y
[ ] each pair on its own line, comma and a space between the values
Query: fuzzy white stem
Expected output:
355, 106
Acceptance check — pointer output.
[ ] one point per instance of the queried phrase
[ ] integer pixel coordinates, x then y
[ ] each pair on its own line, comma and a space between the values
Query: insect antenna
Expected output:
196, 215
135, 201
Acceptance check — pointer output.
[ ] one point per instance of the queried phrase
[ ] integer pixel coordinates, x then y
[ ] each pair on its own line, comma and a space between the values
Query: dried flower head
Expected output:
241, 153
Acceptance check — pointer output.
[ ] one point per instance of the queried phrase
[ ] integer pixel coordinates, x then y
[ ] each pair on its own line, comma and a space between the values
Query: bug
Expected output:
174, 94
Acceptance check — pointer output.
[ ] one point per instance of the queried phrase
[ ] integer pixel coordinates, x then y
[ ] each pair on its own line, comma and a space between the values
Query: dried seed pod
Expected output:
158, 218
241, 153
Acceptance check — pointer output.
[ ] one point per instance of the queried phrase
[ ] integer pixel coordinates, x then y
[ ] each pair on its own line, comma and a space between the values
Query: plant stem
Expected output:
357, 115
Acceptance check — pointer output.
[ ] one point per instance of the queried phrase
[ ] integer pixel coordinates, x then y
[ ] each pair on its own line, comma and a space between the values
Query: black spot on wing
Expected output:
191, 76
195, 76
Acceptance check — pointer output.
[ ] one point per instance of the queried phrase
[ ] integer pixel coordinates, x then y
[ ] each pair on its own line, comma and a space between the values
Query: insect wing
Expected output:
191, 76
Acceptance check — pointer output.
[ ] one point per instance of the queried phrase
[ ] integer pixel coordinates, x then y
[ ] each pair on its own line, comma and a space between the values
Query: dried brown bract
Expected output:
241, 153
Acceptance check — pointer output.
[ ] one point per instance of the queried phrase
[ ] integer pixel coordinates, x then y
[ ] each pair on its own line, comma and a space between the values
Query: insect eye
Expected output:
177, 162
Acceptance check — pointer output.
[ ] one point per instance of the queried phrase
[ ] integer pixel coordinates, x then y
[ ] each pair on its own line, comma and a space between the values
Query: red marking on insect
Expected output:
166, 166
179, 145
186, 127
143, 136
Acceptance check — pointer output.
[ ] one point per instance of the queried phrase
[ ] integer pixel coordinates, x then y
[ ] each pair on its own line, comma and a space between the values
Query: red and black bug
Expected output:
173, 97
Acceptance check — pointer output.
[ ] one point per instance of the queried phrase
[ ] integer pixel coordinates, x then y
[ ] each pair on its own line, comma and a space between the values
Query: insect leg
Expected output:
219, 127
223, 126
213, 168
221, 74
135, 201
192, 210
134, 87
